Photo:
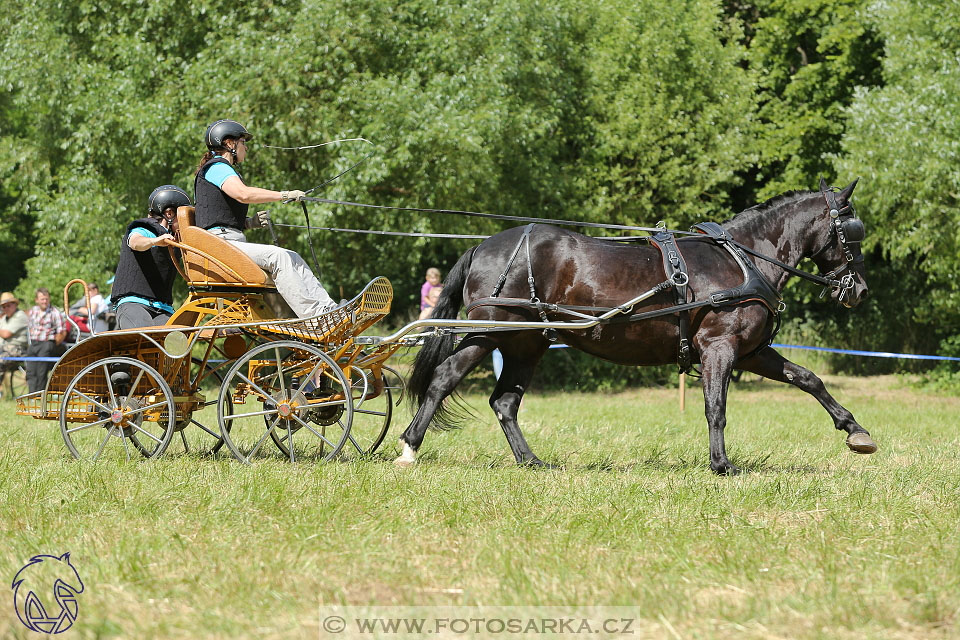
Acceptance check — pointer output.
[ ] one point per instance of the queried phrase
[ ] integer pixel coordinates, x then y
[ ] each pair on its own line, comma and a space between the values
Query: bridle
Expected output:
848, 230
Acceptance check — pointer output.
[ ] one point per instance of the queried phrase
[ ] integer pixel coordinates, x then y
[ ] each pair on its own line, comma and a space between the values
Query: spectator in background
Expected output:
432, 281
48, 330
83, 316
13, 332
432, 298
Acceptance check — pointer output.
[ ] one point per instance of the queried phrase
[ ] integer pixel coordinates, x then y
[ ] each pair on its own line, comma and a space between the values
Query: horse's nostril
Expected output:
864, 294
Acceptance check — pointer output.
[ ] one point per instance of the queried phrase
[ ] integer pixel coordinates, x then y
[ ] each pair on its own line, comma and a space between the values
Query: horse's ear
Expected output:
847, 191
823, 184
65, 557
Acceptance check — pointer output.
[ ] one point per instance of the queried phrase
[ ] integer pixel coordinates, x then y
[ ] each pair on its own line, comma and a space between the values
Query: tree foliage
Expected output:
545, 109
904, 135
611, 111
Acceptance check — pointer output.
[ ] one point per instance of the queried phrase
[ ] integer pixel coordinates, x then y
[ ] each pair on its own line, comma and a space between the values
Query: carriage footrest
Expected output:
34, 404
341, 323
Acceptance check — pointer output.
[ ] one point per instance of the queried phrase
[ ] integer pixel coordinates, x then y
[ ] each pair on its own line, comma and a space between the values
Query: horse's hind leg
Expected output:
505, 402
445, 379
770, 364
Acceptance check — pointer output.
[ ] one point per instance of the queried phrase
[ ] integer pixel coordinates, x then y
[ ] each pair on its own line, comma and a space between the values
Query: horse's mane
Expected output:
772, 203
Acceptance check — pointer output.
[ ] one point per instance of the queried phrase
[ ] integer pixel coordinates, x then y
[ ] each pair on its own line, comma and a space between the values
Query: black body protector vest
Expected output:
214, 208
148, 274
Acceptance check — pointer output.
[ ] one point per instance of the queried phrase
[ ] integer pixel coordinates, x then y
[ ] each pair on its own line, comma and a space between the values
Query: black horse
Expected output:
579, 273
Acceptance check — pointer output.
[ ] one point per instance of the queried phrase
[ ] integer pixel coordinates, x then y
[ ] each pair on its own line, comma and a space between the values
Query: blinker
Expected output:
853, 229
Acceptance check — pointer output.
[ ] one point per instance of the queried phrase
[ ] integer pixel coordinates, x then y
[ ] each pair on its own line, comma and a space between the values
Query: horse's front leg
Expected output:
445, 379
717, 360
770, 364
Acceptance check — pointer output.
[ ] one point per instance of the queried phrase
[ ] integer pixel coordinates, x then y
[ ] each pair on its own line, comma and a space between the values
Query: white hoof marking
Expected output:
408, 457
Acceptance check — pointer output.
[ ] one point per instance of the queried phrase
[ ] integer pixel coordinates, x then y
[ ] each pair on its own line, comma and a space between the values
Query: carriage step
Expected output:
35, 405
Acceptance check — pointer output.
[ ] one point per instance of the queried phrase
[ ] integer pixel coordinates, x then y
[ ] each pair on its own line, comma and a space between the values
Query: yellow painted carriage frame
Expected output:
225, 316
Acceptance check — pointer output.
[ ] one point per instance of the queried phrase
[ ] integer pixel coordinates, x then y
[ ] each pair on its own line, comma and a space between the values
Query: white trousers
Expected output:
294, 280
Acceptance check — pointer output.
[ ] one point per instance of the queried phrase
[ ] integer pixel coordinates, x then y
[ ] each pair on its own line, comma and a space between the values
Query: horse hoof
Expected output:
537, 463
727, 470
407, 456
861, 442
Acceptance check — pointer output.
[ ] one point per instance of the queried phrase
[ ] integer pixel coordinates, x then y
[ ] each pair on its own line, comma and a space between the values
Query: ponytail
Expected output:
204, 160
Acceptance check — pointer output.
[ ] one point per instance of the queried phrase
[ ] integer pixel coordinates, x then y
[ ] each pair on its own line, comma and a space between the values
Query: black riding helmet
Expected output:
223, 129
166, 196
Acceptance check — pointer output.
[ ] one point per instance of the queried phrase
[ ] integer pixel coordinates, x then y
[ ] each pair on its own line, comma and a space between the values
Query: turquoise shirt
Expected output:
219, 172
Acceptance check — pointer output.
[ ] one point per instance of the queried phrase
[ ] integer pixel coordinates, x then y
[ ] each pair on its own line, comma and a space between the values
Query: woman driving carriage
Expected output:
143, 288
222, 204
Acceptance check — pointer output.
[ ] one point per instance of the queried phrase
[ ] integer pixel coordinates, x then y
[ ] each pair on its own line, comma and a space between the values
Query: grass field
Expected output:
815, 542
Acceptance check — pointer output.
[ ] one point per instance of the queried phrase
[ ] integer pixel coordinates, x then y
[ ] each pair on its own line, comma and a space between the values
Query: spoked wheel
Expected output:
290, 392
115, 400
211, 380
373, 403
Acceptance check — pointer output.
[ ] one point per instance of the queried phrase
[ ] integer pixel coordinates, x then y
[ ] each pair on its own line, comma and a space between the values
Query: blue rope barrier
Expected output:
498, 359
871, 354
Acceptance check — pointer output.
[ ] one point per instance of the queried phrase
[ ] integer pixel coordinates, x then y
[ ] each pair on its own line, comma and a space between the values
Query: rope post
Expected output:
683, 392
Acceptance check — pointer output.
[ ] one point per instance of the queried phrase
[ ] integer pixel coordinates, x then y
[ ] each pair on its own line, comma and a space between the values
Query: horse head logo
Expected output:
45, 593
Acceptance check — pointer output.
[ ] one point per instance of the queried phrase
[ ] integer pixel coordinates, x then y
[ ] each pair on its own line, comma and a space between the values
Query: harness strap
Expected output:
675, 268
513, 256
549, 334
576, 311
718, 233
755, 284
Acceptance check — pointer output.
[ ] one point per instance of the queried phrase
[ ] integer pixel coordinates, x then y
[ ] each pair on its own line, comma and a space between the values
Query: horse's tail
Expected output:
436, 349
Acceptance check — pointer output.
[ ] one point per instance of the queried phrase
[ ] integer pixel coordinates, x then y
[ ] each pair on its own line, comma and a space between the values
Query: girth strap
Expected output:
675, 268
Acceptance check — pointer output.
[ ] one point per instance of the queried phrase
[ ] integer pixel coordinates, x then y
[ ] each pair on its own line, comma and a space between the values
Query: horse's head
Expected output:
836, 251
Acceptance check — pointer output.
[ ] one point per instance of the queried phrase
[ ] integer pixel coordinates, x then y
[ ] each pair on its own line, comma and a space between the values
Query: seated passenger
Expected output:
81, 315
143, 285
222, 204
13, 331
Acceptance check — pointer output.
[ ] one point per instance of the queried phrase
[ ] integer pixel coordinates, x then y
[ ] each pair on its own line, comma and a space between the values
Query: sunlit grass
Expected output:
814, 542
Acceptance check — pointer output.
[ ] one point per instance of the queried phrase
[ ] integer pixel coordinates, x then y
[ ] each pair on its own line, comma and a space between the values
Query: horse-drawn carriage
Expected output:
309, 386
302, 383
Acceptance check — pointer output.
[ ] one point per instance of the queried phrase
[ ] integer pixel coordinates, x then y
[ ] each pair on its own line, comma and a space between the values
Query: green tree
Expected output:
809, 57
553, 109
904, 139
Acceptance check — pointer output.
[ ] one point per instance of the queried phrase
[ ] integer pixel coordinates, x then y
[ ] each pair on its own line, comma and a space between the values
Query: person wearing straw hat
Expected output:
223, 200
13, 331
